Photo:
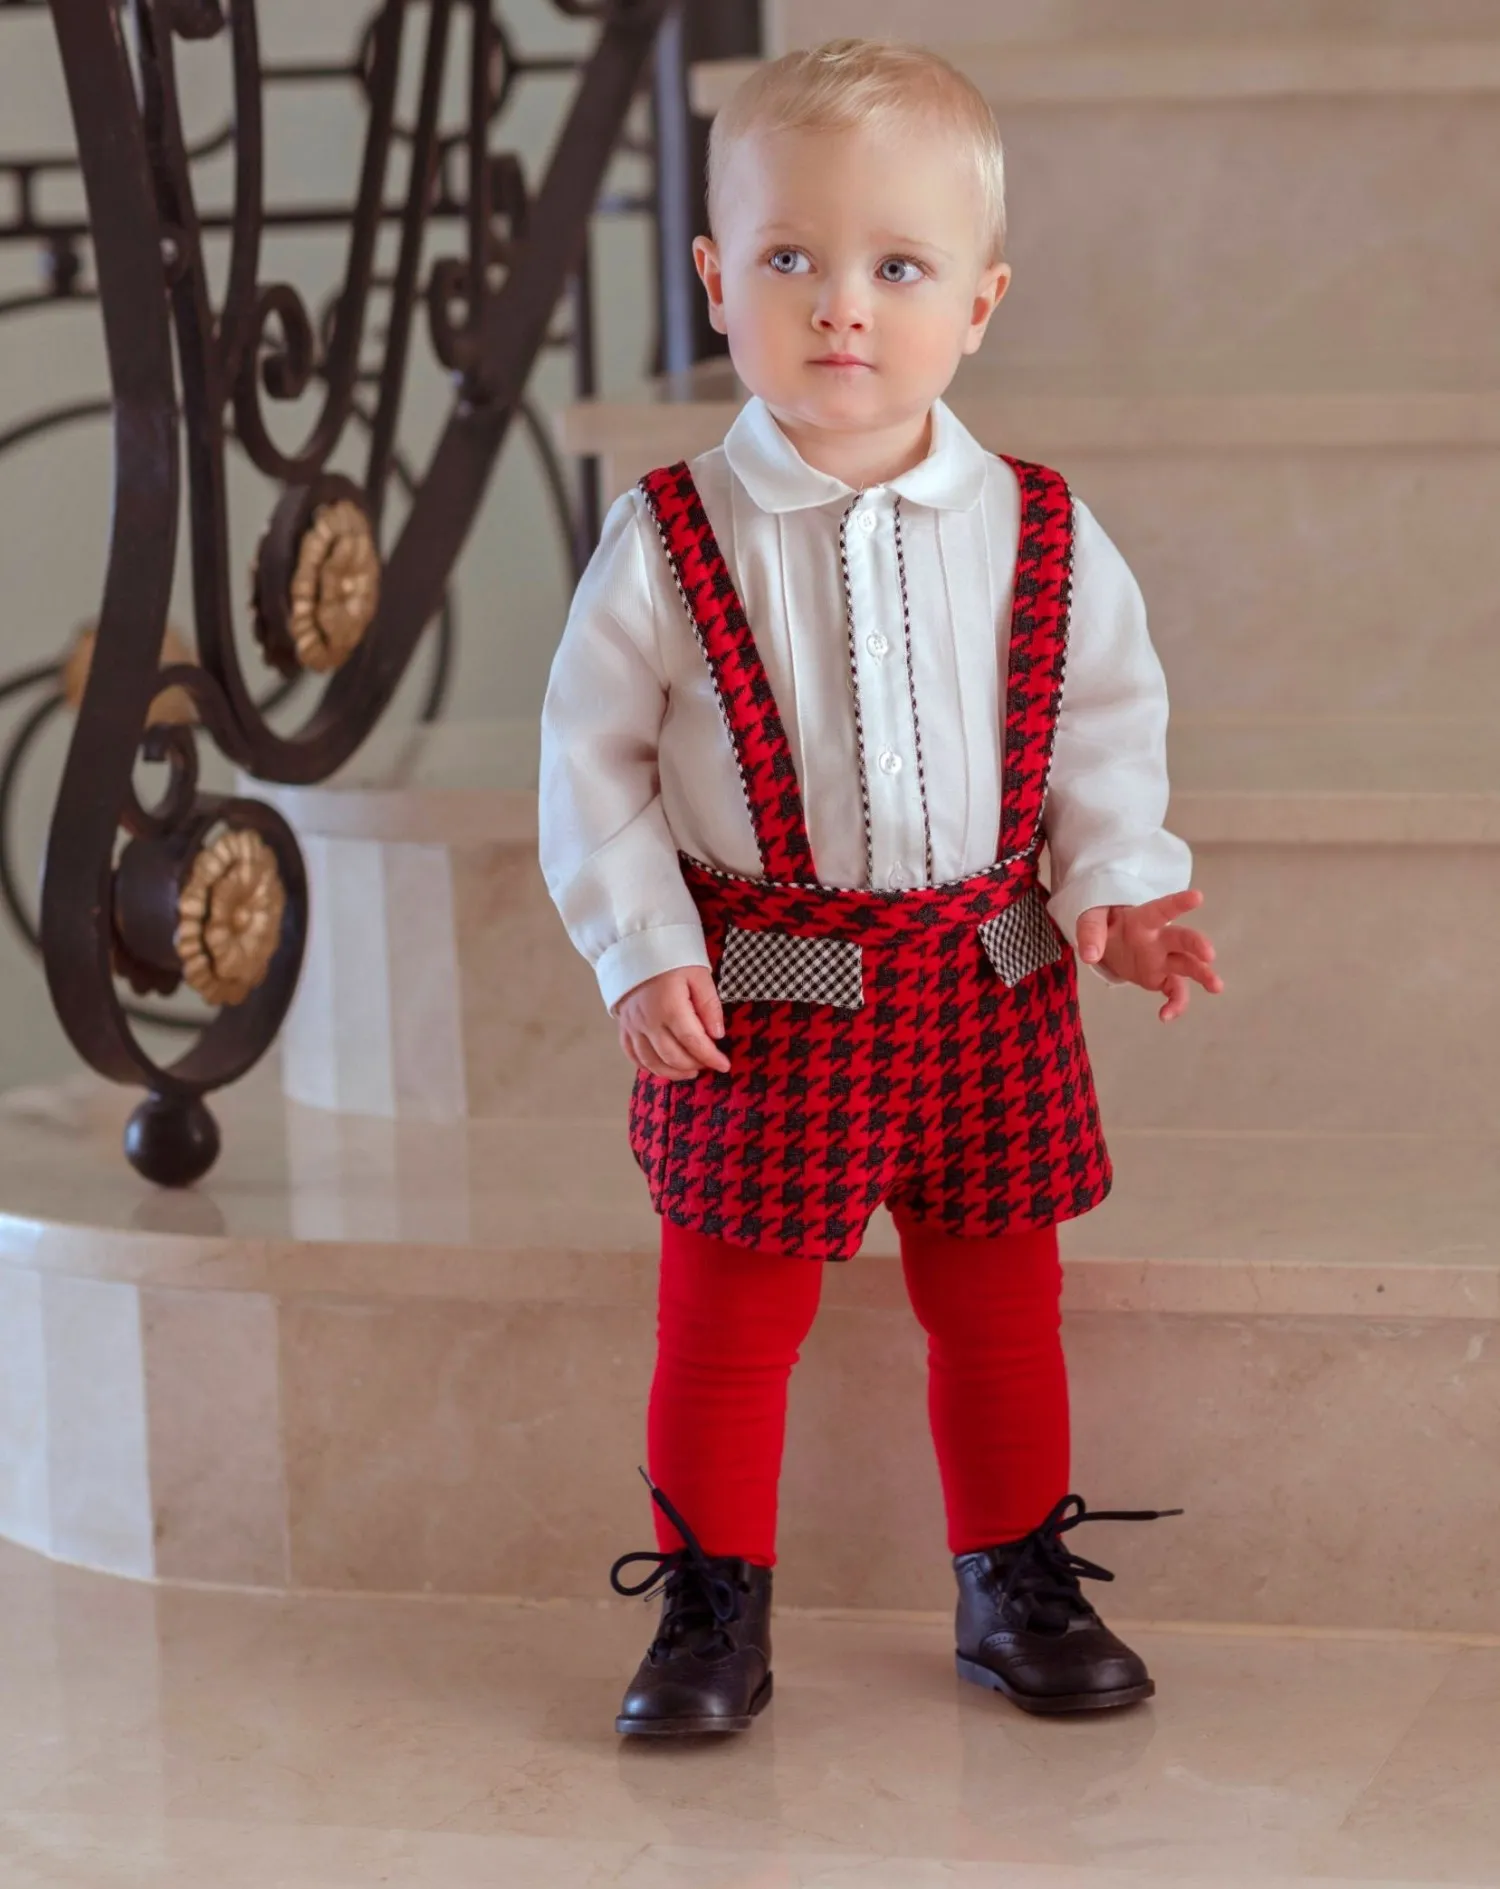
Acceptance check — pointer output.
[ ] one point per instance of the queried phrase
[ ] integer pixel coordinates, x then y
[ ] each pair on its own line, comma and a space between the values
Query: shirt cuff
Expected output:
1069, 903
631, 960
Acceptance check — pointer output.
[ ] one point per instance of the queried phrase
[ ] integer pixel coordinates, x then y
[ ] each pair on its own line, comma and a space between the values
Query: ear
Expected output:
987, 298
706, 261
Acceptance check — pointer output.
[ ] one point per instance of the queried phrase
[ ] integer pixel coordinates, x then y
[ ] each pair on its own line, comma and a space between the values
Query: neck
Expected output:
861, 459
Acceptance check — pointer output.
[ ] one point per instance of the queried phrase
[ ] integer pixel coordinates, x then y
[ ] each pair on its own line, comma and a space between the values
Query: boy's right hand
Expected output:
667, 1025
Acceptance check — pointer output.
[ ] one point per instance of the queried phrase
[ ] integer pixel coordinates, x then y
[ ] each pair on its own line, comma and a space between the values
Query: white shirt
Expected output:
636, 762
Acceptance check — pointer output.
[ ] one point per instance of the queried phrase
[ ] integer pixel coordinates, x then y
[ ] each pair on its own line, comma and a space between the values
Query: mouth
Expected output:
838, 360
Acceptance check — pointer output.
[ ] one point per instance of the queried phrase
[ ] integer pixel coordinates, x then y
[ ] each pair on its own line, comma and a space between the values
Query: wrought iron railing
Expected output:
203, 888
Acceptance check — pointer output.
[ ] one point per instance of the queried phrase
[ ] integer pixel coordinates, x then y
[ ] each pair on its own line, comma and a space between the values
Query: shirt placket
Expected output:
897, 829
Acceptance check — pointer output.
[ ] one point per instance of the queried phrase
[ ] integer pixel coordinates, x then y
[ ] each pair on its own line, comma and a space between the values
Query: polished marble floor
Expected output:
191, 1739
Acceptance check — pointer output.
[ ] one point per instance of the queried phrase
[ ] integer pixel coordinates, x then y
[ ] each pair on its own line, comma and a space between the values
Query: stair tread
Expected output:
1184, 71
305, 1201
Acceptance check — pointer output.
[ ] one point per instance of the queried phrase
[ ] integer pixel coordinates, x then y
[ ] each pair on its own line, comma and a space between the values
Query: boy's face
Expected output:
851, 272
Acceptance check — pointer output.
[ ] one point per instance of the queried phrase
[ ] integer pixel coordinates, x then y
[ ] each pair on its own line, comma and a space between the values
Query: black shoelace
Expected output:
1043, 1575
699, 1596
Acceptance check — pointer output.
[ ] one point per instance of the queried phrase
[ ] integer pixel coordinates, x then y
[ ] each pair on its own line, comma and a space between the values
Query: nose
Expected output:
841, 307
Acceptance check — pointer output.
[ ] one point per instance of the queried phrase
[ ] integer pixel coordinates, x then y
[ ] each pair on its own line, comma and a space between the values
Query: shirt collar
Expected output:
779, 479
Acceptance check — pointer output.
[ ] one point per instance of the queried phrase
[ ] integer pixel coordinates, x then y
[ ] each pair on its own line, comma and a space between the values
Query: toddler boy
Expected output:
822, 698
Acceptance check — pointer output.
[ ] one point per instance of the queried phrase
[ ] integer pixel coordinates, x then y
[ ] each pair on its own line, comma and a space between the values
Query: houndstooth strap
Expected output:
762, 752
1038, 653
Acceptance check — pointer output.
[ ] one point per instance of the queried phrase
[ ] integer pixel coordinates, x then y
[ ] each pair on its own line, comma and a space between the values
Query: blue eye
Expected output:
788, 262
895, 270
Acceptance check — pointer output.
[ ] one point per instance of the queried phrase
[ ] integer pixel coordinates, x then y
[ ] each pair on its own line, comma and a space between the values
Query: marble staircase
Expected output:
399, 1340
408, 1309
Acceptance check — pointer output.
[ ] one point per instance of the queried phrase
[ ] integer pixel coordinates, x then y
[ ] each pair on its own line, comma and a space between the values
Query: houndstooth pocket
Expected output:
1022, 940
775, 967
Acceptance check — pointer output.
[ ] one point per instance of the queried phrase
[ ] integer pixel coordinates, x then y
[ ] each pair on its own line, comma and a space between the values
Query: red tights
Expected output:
731, 1324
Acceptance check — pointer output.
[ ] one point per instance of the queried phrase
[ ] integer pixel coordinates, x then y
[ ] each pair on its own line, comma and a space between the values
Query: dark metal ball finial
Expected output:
172, 1140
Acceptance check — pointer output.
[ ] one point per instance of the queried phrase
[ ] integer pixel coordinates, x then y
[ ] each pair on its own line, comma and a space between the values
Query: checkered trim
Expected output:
1022, 940
859, 717
776, 967
911, 687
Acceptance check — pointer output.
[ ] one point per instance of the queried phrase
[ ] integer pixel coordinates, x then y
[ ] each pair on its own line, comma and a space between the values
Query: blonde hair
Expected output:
852, 82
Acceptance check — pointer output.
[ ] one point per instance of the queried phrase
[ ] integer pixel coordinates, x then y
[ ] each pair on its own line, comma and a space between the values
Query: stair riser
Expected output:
1334, 1471
1280, 241
439, 983
1283, 243
1361, 997
1308, 580
955, 23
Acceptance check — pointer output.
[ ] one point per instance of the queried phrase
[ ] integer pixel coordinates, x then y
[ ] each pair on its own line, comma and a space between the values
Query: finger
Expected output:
686, 1024
1159, 912
1196, 943
681, 1060
696, 1043
1178, 993
1195, 968
1093, 933
644, 1057
706, 1001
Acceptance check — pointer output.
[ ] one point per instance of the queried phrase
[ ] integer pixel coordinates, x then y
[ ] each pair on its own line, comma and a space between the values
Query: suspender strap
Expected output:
764, 757
1038, 653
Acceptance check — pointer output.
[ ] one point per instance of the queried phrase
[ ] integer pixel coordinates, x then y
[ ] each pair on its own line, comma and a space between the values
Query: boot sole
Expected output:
696, 1727
1046, 1705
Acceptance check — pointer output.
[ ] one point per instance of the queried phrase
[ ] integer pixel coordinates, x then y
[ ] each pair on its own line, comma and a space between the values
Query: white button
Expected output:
896, 877
877, 644
889, 763
867, 521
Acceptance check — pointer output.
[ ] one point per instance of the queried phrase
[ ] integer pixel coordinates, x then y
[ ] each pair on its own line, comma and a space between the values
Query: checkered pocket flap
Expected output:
1022, 940
776, 967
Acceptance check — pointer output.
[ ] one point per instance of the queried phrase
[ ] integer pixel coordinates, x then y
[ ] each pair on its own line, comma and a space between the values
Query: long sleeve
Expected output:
607, 853
1109, 790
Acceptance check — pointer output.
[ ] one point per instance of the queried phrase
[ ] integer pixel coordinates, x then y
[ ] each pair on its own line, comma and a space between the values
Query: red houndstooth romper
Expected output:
920, 1048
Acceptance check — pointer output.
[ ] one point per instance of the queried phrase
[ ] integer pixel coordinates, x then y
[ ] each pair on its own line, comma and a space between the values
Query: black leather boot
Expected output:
709, 1667
1025, 1629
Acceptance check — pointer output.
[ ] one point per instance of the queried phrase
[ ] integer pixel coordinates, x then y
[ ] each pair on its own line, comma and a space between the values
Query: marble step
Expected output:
1312, 215
1301, 552
411, 1358
1350, 872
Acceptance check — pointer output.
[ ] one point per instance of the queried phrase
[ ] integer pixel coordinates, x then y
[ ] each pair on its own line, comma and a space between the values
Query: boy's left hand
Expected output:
1141, 945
